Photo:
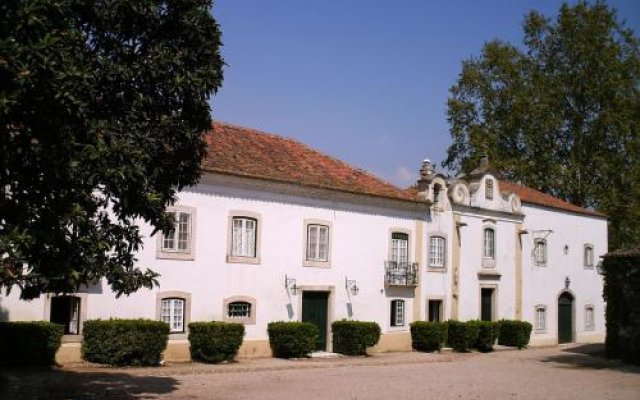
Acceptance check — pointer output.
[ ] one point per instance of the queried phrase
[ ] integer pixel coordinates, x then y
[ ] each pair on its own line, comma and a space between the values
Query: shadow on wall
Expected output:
4, 313
589, 356
60, 384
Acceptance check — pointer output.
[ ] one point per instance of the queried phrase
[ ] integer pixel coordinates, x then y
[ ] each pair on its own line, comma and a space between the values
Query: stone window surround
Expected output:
486, 261
585, 262
443, 306
407, 232
312, 263
251, 320
535, 318
175, 294
178, 255
446, 251
545, 260
593, 314
259, 227
83, 314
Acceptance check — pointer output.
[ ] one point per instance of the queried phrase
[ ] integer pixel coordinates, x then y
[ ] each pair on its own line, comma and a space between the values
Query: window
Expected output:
399, 247
317, 242
540, 318
588, 256
489, 248
178, 239
178, 243
589, 318
435, 311
244, 237
437, 246
540, 252
488, 189
65, 311
172, 312
397, 313
239, 310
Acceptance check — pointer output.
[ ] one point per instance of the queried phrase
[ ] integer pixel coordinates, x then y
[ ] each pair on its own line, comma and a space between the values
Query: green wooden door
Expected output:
486, 304
565, 318
314, 309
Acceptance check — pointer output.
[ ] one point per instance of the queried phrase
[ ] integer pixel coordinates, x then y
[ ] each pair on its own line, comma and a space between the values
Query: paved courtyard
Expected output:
574, 372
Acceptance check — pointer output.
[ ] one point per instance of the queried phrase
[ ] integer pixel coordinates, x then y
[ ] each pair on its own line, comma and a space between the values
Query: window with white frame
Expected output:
397, 313
172, 312
589, 318
488, 189
243, 241
540, 252
541, 318
317, 242
437, 247
399, 247
489, 243
588, 256
178, 239
239, 310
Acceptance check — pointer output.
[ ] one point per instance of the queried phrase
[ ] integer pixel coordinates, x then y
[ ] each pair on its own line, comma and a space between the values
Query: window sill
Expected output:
243, 260
488, 263
168, 255
316, 264
243, 321
437, 269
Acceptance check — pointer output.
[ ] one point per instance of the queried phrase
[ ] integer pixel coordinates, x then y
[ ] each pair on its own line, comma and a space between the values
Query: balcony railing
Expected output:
400, 273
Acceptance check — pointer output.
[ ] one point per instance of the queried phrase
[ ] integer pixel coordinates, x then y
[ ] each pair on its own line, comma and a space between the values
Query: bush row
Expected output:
353, 337
463, 336
29, 343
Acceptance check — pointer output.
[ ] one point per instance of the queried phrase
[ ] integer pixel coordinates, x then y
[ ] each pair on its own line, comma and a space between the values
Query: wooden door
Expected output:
315, 306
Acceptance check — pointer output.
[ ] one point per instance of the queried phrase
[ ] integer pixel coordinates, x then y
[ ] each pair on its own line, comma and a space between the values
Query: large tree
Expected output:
103, 108
560, 113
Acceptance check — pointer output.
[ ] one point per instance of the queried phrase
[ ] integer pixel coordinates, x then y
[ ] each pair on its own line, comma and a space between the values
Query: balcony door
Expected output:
399, 248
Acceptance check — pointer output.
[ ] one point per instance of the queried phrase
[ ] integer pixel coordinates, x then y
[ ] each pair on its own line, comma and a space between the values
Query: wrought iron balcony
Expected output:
400, 273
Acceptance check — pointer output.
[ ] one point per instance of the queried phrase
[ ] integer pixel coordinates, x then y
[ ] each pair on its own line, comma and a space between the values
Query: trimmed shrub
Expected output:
292, 339
462, 335
353, 337
29, 343
487, 334
428, 336
214, 342
514, 333
121, 342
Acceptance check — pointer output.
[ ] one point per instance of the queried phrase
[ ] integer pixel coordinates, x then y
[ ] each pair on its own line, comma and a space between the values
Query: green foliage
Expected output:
213, 342
622, 294
428, 336
462, 336
103, 112
292, 339
514, 333
29, 343
488, 332
353, 337
560, 113
120, 342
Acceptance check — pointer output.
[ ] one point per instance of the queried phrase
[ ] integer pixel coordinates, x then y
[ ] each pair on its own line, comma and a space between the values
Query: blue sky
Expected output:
364, 81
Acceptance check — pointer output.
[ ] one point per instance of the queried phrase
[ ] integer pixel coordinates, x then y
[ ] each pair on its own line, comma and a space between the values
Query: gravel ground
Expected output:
573, 372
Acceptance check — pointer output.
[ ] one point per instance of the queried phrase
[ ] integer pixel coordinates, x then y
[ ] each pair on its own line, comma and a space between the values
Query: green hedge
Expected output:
622, 294
514, 333
353, 337
121, 342
29, 343
292, 339
488, 332
462, 336
214, 342
428, 336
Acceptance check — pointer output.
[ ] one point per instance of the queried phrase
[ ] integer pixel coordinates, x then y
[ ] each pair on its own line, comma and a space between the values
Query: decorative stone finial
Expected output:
427, 168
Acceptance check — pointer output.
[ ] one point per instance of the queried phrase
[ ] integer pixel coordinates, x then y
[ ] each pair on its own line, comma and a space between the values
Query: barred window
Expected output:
239, 309
437, 246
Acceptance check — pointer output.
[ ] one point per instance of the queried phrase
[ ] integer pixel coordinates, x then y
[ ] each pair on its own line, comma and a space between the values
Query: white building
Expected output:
277, 231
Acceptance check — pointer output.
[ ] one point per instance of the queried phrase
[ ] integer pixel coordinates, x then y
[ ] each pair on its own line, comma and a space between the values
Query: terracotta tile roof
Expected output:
533, 196
234, 150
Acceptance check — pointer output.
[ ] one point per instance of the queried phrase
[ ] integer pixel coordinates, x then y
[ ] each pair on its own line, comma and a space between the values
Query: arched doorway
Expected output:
565, 318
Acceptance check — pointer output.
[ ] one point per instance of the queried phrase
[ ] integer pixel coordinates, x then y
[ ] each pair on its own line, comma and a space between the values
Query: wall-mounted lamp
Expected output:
567, 282
290, 283
351, 286
566, 249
